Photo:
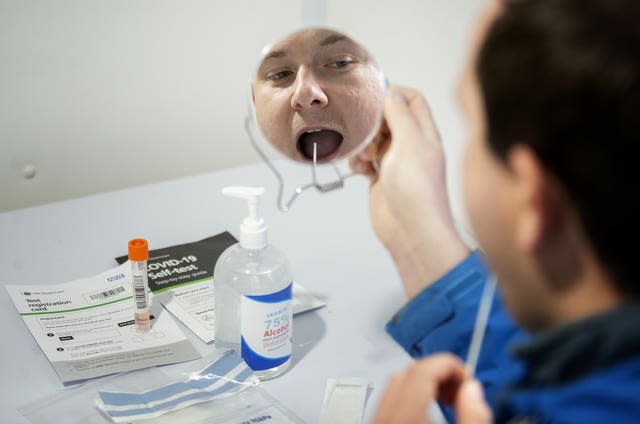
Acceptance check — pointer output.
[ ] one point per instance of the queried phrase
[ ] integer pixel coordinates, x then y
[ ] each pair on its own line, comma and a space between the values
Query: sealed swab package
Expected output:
218, 389
344, 401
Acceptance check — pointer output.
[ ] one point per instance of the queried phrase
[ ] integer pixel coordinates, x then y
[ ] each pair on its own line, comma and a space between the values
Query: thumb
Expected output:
471, 408
397, 112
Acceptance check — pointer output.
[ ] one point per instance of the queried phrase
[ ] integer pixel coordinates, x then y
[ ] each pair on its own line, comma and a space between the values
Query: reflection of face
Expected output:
317, 86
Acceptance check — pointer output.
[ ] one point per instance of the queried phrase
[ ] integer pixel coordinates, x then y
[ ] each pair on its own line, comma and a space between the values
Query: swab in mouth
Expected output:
327, 143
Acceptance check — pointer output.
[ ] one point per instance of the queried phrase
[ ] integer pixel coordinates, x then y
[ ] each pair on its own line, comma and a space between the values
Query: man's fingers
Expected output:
411, 392
422, 112
438, 375
397, 112
439, 368
387, 407
364, 167
407, 110
471, 407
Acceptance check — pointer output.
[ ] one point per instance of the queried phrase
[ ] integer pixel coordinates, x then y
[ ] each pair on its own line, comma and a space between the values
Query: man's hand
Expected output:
409, 204
441, 377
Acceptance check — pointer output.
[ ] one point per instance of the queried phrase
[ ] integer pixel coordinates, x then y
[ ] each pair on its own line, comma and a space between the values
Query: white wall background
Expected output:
98, 95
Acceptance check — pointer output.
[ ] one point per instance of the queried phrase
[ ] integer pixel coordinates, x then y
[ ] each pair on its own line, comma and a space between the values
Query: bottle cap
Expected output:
253, 230
138, 250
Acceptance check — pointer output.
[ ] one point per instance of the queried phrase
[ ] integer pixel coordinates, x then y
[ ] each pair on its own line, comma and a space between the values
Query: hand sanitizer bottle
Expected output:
252, 291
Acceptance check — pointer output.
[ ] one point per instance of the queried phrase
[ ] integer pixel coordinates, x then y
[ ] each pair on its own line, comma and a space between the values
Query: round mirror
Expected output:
317, 87
317, 98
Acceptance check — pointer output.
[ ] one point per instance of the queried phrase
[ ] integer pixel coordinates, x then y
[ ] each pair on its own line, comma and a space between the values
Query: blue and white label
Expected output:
265, 329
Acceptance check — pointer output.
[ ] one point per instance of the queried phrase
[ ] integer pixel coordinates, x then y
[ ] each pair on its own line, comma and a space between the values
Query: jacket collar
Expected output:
569, 352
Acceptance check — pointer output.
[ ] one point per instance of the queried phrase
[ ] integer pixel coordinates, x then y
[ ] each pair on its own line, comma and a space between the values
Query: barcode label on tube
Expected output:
139, 292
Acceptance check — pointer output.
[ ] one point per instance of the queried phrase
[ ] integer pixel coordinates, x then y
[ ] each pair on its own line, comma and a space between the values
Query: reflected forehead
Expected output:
302, 40
307, 46
332, 39
276, 54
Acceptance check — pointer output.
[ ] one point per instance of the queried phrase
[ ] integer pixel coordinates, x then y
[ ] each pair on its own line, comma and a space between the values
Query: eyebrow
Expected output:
331, 39
276, 54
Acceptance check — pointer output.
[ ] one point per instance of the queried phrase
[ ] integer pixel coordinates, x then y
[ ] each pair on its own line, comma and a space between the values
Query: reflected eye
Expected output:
279, 75
341, 63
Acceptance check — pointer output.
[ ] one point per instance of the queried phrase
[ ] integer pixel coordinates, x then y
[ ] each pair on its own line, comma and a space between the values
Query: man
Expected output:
552, 99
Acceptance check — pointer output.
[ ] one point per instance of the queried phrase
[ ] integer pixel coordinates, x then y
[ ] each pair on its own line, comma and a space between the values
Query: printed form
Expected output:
86, 328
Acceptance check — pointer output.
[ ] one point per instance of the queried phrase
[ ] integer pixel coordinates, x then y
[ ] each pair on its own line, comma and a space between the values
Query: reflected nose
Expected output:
307, 91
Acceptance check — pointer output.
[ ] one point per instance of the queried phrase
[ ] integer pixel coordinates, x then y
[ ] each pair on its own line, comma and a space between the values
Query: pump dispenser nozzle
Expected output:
253, 230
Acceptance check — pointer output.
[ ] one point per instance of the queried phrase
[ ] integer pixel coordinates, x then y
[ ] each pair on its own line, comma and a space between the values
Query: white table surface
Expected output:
327, 238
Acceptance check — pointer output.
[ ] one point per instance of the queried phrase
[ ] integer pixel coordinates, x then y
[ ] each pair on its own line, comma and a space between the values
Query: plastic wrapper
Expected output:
217, 389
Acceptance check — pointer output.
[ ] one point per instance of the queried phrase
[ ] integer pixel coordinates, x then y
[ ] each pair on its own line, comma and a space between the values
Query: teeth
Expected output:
312, 131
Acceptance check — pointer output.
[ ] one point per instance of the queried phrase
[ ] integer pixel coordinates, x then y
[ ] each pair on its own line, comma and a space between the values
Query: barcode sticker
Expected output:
139, 292
107, 293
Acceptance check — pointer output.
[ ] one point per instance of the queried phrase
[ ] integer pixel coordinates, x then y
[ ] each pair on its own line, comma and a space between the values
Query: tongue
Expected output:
327, 142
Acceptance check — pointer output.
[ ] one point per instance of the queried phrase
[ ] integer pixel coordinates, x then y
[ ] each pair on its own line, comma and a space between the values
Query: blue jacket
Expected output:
582, 373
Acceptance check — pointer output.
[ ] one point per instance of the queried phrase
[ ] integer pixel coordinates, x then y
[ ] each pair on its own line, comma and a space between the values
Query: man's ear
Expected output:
539, 202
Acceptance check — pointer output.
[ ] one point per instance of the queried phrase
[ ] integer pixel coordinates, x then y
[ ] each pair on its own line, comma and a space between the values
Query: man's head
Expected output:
553, 98
317, 86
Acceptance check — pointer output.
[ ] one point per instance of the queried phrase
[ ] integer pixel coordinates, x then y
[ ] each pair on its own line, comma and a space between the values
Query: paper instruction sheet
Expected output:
86, 328
181, 278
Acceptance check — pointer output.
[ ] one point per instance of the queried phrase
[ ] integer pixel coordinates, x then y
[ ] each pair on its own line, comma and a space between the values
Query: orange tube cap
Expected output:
138, 250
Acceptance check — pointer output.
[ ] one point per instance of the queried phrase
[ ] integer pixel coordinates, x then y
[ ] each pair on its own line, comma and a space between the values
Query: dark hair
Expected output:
563, 76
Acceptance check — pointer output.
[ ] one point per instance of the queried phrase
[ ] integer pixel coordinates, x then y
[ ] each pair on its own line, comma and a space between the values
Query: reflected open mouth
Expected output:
328, 142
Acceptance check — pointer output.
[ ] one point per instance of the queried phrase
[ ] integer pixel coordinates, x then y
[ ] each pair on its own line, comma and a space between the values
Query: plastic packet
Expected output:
344, 401
216, 389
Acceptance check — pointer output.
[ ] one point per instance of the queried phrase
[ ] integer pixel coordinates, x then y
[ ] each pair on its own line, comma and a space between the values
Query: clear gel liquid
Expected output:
240, 272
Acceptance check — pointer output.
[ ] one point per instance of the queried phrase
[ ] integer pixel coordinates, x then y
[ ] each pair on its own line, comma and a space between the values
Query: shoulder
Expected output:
607, 396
